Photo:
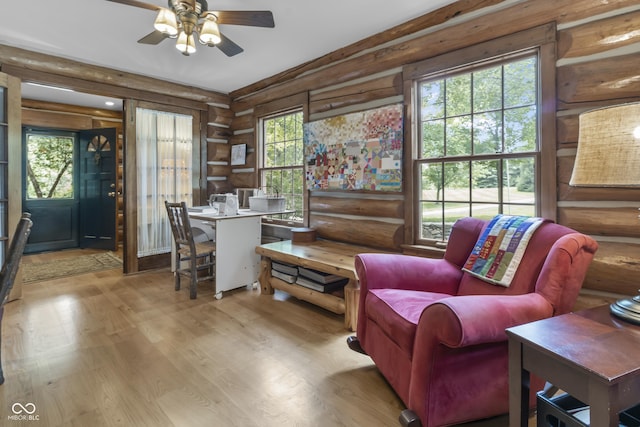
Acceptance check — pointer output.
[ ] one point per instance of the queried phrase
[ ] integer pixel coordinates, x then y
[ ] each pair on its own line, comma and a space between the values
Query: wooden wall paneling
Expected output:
100, 80
599, 36
243, 122
438, 17
359, 93
218, 169
614, 78
354, 205
96, 113
102, 123
244, 180
604, 221
218, 151
220, 116
464, 32
55, 120
218, 132
624, 260
365, 232
567, 131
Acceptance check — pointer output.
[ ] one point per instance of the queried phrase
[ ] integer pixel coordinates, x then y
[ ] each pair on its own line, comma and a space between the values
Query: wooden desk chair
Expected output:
10, 267
199, 255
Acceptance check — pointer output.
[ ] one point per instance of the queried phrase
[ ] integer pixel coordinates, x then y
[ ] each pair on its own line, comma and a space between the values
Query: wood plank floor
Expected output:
103, 349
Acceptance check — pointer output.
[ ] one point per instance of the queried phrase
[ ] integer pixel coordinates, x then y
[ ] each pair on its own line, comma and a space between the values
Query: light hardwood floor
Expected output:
103, 349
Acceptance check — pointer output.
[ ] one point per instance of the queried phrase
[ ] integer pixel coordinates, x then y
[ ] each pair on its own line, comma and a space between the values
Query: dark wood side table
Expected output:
590, 354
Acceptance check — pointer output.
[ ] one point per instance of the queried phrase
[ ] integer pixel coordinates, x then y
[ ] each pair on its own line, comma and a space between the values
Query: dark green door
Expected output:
50, 189
98, 151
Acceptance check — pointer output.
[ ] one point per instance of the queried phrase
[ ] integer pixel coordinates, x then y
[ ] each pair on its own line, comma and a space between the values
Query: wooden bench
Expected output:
322, 255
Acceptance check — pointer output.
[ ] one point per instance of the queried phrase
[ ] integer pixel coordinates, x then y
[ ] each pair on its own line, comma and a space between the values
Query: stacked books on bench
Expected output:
284, 271
309, 278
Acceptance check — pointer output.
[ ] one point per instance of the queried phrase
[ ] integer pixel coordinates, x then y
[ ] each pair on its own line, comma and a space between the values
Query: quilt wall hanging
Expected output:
356, 151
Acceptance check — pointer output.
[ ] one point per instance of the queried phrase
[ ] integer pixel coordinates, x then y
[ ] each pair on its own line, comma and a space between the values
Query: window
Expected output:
282, 166
164, 159
479, 144
483, 133
49, 165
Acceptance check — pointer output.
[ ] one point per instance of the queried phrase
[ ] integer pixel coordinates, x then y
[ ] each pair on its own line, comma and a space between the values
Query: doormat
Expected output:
38, 271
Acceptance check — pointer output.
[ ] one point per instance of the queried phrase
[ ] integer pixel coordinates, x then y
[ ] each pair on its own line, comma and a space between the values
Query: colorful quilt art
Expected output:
357, 151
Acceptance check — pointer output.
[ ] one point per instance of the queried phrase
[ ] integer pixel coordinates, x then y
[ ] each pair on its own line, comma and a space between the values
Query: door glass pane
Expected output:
49, 166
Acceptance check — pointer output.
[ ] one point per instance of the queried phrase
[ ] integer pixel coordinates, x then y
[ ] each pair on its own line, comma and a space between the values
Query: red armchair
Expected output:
436, 333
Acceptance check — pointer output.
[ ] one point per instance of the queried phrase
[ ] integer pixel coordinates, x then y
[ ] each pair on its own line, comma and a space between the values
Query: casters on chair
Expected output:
354, 344
408, 418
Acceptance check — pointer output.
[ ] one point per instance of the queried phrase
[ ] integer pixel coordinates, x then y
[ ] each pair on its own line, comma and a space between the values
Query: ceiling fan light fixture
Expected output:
166, 22
210, 33
186, 43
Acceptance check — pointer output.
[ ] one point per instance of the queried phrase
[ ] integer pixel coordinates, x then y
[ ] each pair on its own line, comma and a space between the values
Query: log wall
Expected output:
598, 52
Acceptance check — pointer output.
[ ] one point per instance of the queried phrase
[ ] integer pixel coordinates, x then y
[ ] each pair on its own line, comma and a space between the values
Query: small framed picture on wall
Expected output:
238, 154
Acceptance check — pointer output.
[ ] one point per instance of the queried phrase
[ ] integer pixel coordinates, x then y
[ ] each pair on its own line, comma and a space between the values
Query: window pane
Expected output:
458, 136
49, 167
431, 181
487, 133
484, 210
458, 95
453, 212
432, 94
432, 137
485, 181
487, 90
519, 181
431, 214
520, 129
520, 83
456, 181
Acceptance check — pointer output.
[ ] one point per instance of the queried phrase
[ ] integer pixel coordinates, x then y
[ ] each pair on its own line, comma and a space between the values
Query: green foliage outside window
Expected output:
49, 167
478, 144
282, 172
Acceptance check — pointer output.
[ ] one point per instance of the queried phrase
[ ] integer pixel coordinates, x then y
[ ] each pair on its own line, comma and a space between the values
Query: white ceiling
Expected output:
105, 33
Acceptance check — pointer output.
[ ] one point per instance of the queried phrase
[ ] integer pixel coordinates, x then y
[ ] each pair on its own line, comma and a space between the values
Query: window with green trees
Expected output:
49, 166
282, 167
479, 146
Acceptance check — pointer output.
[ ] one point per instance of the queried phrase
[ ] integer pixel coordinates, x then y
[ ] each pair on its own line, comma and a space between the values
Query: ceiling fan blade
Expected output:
153, 37
136, 3
228, 47
254, 18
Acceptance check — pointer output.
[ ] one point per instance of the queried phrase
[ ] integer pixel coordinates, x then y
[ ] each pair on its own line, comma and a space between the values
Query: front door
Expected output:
98, 191
50, 191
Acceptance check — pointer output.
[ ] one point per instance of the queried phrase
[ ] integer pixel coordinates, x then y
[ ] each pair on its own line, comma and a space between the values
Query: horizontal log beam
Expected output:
106, 77
376, 234
599, 36
353, 205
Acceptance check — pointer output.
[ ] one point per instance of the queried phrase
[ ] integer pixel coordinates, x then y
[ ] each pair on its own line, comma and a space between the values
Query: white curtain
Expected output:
164, 144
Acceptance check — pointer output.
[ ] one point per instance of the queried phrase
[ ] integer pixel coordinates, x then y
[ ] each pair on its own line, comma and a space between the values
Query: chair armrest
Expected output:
479, 319
396, 271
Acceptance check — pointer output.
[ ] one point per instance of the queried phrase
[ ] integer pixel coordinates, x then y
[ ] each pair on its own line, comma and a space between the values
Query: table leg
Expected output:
265, 276
351, 302
518, 387
604, 408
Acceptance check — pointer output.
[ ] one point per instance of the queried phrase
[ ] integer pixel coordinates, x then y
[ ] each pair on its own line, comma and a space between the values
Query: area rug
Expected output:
38, 271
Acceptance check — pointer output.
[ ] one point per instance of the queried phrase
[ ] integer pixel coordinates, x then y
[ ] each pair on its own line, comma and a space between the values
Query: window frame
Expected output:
292, 104
540, 39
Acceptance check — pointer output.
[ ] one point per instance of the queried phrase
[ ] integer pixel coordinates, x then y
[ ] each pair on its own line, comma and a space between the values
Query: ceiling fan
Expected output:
183, 18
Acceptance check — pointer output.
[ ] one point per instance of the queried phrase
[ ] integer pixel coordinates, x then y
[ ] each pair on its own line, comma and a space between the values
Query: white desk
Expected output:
236, 237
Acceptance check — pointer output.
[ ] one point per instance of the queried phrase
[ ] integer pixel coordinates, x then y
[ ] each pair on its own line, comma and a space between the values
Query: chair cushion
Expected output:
397, 312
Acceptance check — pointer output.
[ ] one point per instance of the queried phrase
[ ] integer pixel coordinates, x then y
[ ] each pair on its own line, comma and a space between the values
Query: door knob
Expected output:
111, 194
